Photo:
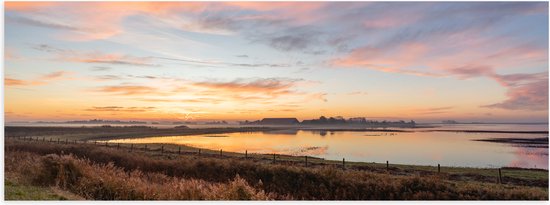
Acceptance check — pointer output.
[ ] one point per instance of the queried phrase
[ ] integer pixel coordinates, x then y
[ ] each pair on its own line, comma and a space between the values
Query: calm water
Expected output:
420, 148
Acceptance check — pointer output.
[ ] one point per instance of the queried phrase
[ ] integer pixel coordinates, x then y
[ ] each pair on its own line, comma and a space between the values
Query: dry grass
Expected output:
108, 182
101, 173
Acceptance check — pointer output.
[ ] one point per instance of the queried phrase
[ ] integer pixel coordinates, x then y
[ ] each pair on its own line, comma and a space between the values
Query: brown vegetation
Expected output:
102, 173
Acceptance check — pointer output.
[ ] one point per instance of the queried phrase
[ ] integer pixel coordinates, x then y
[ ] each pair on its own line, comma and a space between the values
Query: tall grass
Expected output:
100, 173
108, 182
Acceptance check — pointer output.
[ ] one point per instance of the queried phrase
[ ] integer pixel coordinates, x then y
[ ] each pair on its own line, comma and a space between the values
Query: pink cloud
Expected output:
478, 57
531, 95
86, 24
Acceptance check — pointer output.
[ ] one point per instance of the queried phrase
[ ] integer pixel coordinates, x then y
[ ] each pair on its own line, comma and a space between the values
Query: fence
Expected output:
198, 153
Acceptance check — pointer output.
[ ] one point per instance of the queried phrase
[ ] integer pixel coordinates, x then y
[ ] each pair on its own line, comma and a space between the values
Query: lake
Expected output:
421, 147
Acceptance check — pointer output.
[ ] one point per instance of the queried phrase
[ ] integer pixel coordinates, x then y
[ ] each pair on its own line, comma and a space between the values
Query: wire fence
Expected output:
199, 152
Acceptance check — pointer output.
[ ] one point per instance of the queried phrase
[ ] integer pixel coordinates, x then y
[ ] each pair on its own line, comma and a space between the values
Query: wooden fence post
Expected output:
343, 163
499, 176
306, 161
199, 152
246, 154
387, 165
162, 149
58, 141
179, 150
438, 168
221, 153
106, 144
273, 157
43, 139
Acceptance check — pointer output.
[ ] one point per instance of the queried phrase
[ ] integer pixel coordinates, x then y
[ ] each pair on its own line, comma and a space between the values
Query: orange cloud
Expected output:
15, 82
127, 90
26, 5
42, 80
54, 75
270, 86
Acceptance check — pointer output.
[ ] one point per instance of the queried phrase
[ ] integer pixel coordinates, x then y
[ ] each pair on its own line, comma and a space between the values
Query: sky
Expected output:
195, 61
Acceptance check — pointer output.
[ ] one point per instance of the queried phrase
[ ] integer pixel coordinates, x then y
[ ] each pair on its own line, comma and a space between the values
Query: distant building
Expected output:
279, 121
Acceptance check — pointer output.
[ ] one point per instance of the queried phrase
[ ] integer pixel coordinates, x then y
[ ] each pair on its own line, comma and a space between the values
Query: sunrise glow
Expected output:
193, 61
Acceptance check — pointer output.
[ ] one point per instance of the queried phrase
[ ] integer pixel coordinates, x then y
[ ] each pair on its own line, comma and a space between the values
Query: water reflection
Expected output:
530, 157
421, 148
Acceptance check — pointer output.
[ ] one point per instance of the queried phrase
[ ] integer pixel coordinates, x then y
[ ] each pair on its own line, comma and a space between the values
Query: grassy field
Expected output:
15, 191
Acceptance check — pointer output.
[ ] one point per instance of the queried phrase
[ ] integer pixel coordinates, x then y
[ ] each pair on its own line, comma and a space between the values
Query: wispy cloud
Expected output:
100, 68
357, 93
525, 92
40, 80
270, 86
40, 23
127, 90
119, 109
16, 82
225, 64
433, 110
95, 57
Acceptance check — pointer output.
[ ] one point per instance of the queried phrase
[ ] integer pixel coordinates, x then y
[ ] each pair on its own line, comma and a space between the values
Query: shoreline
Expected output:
513, 175
70, 134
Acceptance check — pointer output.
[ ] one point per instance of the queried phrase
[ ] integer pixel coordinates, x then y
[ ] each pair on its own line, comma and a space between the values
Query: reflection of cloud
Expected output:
528, 157
283, 132
313, 151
